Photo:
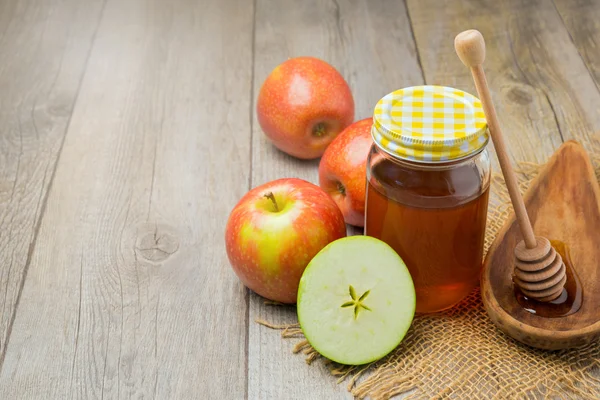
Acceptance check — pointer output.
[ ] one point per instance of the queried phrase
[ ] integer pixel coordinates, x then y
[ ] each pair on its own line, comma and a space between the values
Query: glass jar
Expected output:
428, 177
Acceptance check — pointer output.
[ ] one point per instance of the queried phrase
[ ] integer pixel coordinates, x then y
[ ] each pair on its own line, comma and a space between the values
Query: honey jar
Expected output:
428, 178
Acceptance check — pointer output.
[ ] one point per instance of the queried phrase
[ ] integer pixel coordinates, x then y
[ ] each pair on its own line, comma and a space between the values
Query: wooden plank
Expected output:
582, 19
371, 44
129, 293
44, 48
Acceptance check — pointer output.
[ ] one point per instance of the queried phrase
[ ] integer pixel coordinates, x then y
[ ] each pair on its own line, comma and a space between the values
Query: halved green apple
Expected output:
356, 300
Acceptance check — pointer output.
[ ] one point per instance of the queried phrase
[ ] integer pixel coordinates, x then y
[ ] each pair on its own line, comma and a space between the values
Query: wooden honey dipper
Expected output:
539, 271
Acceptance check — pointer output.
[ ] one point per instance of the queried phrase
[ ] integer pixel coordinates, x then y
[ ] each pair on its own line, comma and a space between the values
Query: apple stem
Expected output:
319, 129
271, 197
341, 188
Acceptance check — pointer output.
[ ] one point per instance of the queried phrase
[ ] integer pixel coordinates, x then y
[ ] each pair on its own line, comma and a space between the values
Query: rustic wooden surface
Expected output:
44, 47
128, 132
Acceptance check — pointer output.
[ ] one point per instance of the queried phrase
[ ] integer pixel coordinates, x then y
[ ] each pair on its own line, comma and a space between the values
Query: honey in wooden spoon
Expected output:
570, 299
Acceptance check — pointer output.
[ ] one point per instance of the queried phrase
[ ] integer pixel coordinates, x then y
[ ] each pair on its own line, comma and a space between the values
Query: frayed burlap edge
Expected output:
460, 353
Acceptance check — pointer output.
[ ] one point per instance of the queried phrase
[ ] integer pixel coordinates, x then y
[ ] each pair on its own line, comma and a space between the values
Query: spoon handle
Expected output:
470, 48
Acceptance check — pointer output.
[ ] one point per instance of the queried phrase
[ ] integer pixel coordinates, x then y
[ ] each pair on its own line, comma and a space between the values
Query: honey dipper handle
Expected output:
470, 48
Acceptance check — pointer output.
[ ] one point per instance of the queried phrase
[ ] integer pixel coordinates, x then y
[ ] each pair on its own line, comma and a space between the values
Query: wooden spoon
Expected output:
539, 270
564, 204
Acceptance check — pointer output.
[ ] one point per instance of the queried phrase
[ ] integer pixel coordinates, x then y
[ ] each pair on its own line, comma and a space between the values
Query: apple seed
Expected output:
352, 292
356, 303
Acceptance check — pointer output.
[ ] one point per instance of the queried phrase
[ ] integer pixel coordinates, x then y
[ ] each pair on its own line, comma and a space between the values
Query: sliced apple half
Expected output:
356, 300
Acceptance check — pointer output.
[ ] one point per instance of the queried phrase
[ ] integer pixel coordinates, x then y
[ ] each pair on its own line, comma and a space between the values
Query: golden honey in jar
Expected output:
428, 176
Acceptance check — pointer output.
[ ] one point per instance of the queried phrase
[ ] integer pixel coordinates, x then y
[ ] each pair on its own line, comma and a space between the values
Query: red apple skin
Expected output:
343, 170
303, 105
268, 249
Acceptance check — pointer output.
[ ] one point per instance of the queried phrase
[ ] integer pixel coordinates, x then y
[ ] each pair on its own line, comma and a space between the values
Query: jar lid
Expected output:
430, 124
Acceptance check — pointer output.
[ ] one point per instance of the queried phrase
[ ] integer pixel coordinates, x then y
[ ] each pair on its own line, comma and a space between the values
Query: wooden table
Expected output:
128, 132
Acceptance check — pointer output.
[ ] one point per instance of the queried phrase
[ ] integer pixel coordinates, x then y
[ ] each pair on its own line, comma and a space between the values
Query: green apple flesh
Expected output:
356, 300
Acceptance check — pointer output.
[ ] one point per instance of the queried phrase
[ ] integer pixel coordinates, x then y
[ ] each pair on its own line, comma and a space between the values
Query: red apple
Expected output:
303, 105
343, 170
275, 230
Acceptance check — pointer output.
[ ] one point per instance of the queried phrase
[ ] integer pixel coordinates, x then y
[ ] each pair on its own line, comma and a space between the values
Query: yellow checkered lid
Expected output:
430, 124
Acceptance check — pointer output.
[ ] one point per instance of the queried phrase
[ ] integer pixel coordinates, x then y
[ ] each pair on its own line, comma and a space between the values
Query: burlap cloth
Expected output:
460, 354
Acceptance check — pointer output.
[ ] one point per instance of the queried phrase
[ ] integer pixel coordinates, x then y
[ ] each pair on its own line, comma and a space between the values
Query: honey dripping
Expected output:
570, 299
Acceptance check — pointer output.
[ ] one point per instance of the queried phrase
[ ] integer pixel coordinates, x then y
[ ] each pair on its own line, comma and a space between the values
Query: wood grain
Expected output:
564, 205
44, 48
371, 44
582, 20
129, 293
542, 89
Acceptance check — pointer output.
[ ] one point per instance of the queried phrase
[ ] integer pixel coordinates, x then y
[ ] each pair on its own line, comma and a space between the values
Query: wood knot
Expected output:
540, 272
156, 246
519, 95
